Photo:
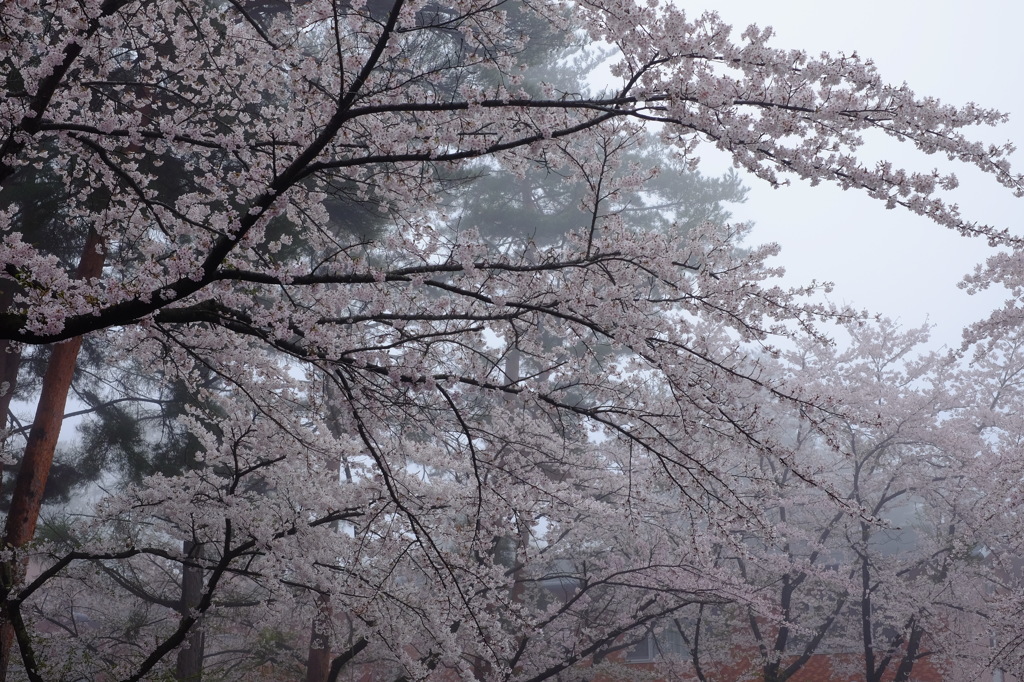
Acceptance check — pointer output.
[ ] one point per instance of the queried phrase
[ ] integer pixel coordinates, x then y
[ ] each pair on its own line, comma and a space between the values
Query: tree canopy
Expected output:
439, 434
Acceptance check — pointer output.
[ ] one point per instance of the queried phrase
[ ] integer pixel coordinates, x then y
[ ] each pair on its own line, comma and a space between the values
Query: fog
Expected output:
892, 262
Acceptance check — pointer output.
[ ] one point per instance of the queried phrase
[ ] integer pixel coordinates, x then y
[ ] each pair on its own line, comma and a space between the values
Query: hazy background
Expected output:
893, 262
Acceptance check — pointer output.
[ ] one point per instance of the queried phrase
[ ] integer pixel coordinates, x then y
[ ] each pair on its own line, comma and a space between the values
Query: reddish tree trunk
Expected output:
42, 442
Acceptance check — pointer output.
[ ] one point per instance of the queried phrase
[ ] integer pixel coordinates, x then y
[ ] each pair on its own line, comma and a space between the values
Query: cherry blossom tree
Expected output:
988, 497
207, 145
894, 578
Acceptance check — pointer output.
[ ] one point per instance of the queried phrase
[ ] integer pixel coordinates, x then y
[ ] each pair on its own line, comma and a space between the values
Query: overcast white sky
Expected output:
893, 262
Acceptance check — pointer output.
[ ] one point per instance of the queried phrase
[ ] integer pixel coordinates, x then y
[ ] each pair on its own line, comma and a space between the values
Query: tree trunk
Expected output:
318, 664
189, 666
866, 623
318, 660
910, 656
42, 442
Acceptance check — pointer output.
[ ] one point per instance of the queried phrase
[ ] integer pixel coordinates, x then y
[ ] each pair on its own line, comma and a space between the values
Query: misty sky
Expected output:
893, 262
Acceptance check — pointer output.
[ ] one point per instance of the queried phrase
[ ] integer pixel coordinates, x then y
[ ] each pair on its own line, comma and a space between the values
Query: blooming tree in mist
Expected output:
898, 585
433, 453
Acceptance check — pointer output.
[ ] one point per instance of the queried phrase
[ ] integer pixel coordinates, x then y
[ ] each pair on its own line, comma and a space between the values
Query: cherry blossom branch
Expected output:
48, 86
